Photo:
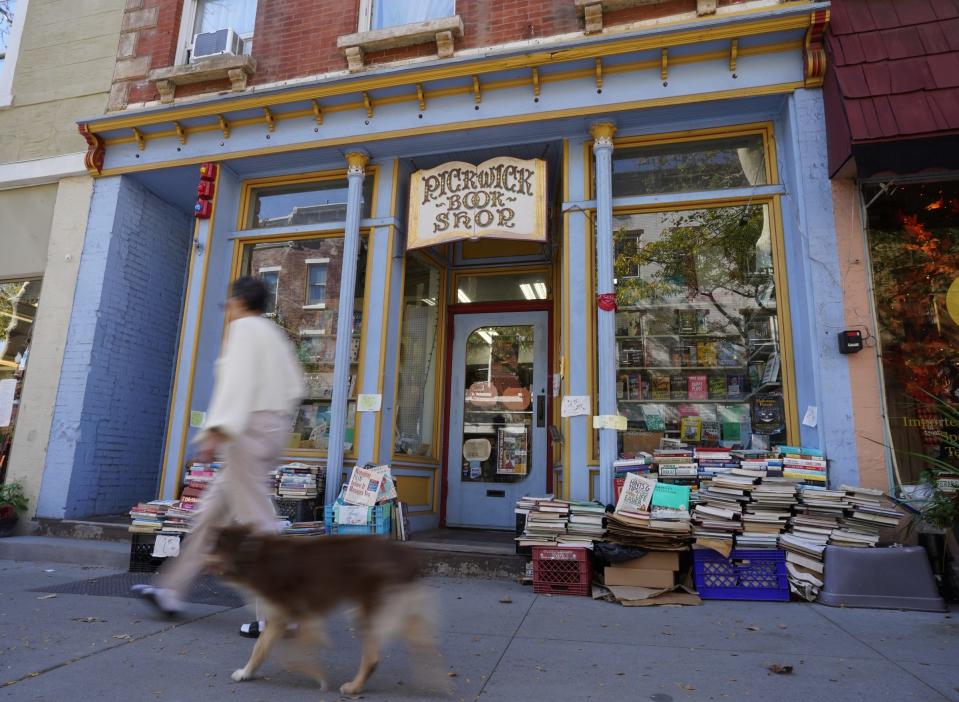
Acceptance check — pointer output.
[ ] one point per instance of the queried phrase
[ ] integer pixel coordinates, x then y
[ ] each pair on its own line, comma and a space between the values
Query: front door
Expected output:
498, 408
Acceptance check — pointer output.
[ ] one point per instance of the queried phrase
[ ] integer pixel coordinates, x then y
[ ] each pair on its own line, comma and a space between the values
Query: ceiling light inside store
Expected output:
540, 290
462, 296
527, 291
429, 301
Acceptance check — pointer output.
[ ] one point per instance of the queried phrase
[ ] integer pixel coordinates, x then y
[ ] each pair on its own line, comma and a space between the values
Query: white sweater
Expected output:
257, 371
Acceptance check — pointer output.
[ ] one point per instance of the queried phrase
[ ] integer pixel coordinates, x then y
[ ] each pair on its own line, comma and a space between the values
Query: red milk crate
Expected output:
561, 571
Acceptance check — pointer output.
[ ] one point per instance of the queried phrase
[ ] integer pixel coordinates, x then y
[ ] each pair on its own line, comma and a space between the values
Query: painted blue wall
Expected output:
110, 413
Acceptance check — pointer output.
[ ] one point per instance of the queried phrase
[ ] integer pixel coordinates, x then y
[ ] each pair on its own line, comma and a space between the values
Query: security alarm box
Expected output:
850, 341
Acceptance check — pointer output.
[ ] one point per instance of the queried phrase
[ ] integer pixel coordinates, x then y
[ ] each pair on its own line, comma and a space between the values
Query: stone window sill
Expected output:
442, 31
592, 10
236, 69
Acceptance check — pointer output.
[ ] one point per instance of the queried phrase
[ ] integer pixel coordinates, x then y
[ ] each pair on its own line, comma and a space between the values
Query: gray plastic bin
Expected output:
880, 578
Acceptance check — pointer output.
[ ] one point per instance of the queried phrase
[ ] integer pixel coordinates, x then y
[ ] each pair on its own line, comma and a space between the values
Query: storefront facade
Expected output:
484, 262
894, 169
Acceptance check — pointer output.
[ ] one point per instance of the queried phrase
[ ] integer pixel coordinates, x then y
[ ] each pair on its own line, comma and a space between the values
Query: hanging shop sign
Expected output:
503, 198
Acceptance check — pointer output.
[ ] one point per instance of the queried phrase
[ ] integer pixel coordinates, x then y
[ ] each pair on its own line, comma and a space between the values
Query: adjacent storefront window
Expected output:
18, 311
305, 277
914, 250
311, 202
416, 397
697, 332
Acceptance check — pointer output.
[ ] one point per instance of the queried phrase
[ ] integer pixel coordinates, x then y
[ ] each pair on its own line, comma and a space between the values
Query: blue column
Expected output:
357, 161
605, 319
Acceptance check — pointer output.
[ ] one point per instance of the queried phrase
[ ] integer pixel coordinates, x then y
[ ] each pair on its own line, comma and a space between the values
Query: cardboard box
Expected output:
654, 560
639, 577
636, 441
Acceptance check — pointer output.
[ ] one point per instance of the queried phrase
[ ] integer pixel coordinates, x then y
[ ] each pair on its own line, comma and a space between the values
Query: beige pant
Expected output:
240, 492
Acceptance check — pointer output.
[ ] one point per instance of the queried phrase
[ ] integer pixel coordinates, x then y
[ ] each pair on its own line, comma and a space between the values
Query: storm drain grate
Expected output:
207, 590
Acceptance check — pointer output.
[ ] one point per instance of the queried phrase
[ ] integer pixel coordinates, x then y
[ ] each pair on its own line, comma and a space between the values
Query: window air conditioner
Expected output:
218, 43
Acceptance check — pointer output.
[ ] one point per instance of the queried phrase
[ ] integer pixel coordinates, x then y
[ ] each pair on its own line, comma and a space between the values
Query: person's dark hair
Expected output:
252, 292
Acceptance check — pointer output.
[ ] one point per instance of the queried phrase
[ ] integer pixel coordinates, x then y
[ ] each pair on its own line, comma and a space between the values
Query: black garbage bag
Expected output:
608, 554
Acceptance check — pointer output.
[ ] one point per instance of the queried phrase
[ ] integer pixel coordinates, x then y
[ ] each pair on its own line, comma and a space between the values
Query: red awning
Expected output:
893, 73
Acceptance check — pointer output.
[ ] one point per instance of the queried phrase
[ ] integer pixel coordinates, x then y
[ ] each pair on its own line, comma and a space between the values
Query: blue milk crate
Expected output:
382, 523
753, 574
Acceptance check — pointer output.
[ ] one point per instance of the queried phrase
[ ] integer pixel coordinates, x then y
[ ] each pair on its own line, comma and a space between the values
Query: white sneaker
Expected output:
163, 599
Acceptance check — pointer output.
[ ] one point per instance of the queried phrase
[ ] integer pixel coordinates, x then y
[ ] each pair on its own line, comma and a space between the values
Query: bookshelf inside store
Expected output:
698, 349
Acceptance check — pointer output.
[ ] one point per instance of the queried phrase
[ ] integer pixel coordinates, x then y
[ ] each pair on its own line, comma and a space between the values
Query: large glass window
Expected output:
914, 249
394, 13
689, 166
697, 335
312, 327
416, 406
18, 311
316, 202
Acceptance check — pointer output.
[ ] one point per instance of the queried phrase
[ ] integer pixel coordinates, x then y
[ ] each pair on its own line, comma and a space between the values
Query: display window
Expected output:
417, 399
914, 253
307, 199
304, 276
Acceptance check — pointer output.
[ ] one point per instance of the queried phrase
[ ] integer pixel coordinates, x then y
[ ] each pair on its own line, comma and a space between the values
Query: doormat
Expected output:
206, 591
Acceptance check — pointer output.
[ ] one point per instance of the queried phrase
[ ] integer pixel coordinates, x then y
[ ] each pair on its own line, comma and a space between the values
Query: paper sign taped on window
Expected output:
609, 421
575, 405
166, 546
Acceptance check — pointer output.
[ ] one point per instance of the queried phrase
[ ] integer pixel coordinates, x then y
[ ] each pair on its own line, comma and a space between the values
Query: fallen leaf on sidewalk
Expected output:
88, 620
506, 600
47, 597
686, 686
752, 628
452, 674
781, 669
122, 636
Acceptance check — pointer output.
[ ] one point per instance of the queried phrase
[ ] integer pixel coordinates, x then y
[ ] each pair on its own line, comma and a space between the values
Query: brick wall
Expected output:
297, 38
110, 414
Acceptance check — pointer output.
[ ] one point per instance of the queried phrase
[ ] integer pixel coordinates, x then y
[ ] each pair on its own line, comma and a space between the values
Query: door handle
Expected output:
540, 411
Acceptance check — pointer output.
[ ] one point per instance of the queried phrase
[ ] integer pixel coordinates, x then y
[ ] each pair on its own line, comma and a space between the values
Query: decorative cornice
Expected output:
814, 54
93, 160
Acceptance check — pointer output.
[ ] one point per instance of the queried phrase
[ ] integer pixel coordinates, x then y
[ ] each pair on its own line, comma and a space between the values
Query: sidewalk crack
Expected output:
509, 643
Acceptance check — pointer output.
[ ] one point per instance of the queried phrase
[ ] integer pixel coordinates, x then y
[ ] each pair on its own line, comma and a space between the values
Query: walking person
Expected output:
258, 384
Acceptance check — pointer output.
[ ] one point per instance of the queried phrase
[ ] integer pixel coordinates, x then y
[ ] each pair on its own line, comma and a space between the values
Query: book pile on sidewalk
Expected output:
643, 518
717, 515
148, 517
864, 518
299, 481
546, 520
714, 461
767, 513
585, 525
304, 529
765, 462
804, 565
802, 463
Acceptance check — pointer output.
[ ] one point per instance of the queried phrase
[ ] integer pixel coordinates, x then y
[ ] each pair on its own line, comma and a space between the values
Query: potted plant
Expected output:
13, 503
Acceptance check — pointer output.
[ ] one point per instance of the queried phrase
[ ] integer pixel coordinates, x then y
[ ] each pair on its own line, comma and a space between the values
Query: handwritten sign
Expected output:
575, 405
166, 546
369, 403
501, 198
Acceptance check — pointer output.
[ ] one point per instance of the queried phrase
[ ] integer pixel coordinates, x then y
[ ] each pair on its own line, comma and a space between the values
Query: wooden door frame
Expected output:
491, 308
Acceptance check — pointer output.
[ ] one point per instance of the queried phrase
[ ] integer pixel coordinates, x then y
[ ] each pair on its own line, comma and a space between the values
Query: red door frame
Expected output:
493, 307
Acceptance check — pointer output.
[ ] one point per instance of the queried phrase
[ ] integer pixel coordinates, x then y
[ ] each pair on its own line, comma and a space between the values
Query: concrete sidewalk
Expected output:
106, 648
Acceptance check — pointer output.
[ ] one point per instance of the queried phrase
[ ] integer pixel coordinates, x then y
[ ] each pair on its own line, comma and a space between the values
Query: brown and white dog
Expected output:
300, 580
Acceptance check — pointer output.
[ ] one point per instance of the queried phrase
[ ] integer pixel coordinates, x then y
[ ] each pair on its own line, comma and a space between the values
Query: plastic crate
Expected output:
561, 571
756, 574
297, 509
141, 554
382, 523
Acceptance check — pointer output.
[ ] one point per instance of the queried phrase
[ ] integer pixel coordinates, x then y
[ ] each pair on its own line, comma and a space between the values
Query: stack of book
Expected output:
717, 515
802, 463
585, 525
644, 531
673, 457
177, 520
818, 513
765, 462
299, 480
864, 518
767, 513
198, 477
679, 474
147, 517
804, 565
546, 521
713, 461
305, 529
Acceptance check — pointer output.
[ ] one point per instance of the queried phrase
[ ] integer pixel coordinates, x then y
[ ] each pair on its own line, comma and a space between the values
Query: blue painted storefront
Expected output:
135, 371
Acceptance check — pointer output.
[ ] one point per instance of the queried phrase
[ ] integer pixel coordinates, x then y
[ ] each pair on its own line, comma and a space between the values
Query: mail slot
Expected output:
496, 493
